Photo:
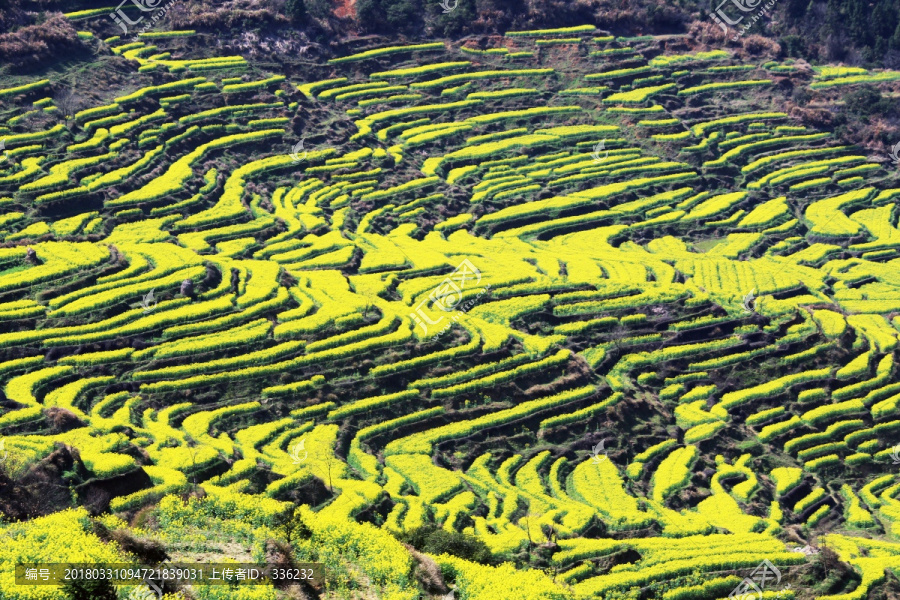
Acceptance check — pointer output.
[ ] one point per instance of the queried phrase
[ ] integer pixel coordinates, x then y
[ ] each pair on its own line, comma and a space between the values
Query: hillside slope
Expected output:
561, 316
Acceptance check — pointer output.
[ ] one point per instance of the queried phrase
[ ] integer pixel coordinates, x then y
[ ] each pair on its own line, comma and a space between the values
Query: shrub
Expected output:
39, 44
433, 539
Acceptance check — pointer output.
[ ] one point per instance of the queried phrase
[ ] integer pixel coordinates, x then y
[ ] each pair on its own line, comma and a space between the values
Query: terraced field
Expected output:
423, 286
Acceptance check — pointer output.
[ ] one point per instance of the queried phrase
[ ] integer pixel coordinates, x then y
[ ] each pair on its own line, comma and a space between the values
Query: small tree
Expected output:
294, 526
67, 103
327, 462
527, 520
616, 336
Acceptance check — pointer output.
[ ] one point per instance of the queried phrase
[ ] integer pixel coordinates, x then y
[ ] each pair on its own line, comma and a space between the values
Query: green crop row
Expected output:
882, 375
825, 461
474, 372
155, 35
345, 352
817, 516
489, 51
243, 335
112, 294
155, 89
675, 567
59, 173
770, 388
377, 52
366, 86
167, 313
92, 12
166, 481
21, 390
815, 451
673, 472
674, 59
365, 125
856, 79
98, 111
830, 411
770, 431
259, 357
22, 89
805, 185
810, 499
558, 31
723, 85
181, 170
836, 430
389, 89
768, 160
580, 415
226, 110
427, 359
746, 148
309, 89
619, 73
552, 42
421, 70
474, 75
422, 442
393, 192
718, 587
601, 487
385, 325
638, 95
786, 479
96, 358
62, 195
855, 514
